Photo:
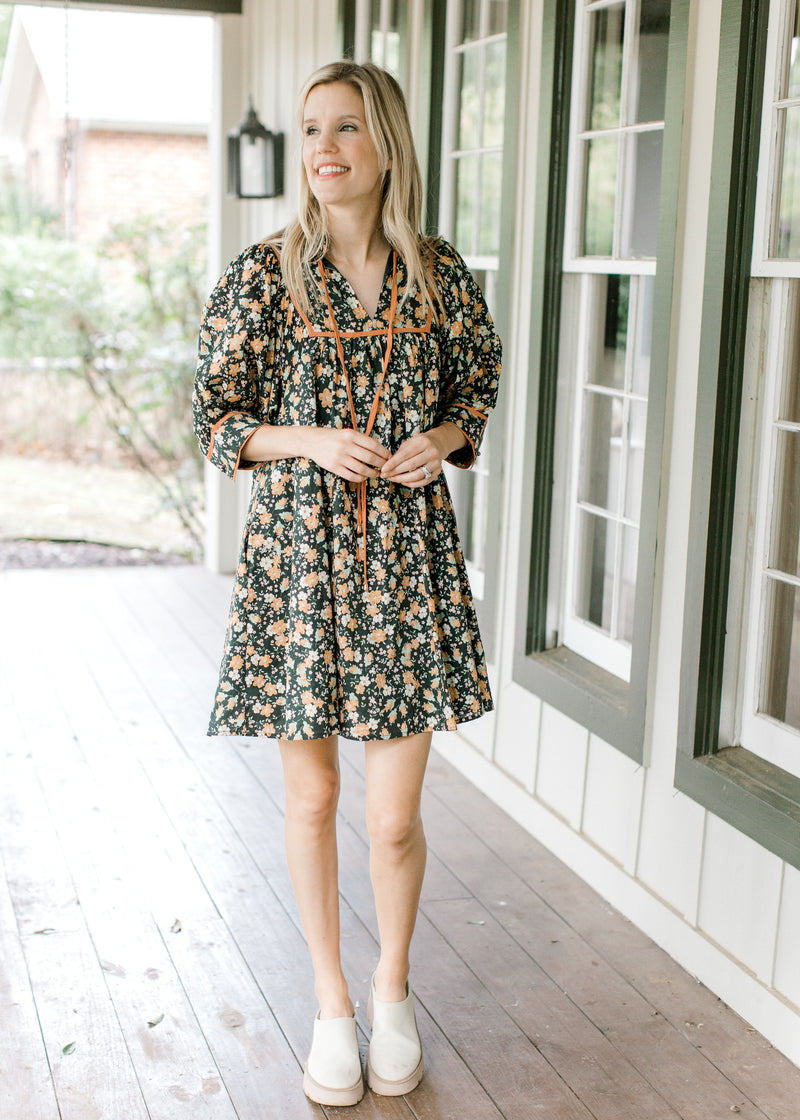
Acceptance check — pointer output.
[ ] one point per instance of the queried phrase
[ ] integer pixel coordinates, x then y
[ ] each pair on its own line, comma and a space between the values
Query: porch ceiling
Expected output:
220, 7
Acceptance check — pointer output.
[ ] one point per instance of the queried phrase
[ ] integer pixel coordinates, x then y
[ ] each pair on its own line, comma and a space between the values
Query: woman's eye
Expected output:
348, 128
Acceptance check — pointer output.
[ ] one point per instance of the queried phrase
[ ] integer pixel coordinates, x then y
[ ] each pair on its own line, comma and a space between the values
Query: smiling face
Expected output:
340, 159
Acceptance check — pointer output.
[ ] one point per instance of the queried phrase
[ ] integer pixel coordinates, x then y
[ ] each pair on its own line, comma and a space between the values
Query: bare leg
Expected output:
311, 778
395, 770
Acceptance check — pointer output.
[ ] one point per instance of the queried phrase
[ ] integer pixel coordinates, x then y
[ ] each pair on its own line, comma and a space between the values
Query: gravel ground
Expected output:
79, 554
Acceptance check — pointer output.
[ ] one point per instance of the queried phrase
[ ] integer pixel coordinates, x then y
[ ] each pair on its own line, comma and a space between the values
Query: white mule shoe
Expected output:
333, 1070
394, 1059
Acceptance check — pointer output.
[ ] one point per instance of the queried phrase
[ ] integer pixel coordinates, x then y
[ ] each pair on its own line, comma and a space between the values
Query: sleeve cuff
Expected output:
228, 437
471, 422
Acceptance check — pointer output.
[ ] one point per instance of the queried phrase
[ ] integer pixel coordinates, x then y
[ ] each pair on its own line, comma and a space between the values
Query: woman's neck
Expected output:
356, 240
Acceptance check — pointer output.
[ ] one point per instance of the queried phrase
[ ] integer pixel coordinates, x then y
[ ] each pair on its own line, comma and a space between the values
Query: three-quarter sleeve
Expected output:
471, 354
229, 397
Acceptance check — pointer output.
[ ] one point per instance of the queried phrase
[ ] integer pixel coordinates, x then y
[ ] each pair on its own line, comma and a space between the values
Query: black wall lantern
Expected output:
255, 159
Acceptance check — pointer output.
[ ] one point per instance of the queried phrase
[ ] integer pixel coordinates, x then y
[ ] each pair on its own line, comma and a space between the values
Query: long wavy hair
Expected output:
306, 238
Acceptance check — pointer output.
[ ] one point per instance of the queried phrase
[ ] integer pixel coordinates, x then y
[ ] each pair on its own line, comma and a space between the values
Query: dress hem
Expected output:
345, 733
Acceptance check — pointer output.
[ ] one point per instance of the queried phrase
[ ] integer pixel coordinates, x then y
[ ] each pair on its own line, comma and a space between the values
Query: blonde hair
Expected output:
306, 238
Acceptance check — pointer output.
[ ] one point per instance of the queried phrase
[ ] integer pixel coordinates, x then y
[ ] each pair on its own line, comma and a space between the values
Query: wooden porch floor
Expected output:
153, 964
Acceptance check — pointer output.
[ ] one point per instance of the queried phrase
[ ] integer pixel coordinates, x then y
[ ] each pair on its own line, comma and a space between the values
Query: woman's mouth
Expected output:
328, 170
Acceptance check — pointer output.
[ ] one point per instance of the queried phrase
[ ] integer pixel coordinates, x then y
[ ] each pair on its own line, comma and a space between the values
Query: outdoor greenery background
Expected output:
97, 352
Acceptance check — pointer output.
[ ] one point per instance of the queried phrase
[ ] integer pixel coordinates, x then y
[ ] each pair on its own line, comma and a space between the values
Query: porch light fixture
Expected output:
255, 159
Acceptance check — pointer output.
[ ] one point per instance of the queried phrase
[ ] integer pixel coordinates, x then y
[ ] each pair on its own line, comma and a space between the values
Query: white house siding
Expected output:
726, 908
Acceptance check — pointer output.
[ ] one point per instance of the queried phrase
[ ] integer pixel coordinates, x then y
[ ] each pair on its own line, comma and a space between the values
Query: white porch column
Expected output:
225, 500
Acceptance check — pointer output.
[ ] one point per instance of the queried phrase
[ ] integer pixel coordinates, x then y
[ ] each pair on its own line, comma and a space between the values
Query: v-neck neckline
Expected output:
387, 273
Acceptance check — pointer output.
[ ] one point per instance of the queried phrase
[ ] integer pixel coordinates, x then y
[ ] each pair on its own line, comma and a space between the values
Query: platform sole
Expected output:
323, 1094
386, 1088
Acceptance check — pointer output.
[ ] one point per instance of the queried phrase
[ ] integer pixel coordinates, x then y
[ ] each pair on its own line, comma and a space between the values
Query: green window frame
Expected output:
753, 795
609, 706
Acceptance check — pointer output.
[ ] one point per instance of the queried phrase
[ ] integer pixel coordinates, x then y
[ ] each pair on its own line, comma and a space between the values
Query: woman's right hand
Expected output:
346, 452
343, 451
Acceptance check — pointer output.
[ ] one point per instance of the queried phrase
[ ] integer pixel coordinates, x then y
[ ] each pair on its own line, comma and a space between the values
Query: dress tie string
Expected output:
361, 507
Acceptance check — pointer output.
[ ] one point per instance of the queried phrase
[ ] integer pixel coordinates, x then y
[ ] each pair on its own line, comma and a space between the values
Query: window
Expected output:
389, 37
614, 183
470, 216
613, 76
770, 717
738, 744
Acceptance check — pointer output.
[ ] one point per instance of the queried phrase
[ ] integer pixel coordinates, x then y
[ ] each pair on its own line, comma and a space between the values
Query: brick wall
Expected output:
122, 174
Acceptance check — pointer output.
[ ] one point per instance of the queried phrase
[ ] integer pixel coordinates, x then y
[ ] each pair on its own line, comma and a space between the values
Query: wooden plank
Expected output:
263, 933
144, 986
757, 1072
97, 1078
641, 1051
677, 1071
563, 989
26, 1086
261, 1073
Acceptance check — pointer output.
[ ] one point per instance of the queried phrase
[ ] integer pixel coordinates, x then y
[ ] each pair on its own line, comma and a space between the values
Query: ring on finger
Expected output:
426, 472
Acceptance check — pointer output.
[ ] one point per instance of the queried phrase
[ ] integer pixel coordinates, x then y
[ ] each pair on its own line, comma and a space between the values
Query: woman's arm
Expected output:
345, 452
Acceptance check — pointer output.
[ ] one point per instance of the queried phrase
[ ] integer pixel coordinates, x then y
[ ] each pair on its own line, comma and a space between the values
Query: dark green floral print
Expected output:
333, 629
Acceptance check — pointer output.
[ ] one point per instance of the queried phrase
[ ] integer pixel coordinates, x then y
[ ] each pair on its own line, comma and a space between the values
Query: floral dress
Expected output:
351, 609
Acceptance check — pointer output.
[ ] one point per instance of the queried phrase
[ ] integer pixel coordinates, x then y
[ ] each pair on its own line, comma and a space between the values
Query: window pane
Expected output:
626, 594
650, 78
601, 190
787, 232
643, 332
790, 374
793, 76
595, 570
605, 36
494, 93
601, 451
489, 233
637, 423
498, 16
643, 190
466, 199
469, 100
607, 356
785, 543
780, 686
471, 20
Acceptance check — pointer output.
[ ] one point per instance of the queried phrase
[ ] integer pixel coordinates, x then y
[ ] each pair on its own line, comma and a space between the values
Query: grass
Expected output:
43, 499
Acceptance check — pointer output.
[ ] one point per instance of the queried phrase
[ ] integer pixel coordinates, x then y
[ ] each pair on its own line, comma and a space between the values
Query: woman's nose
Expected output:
326, 141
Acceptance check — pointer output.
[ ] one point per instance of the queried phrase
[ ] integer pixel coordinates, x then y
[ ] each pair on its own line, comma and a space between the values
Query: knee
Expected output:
313, 804
394, 833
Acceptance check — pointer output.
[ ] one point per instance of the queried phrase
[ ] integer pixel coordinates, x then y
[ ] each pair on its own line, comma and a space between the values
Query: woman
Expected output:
343, 361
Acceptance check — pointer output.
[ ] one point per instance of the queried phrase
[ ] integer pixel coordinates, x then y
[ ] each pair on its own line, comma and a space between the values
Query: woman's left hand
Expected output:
418, 460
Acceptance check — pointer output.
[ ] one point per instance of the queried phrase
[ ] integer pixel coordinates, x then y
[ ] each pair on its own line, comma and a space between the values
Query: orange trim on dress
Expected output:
475, 411
216, 427
361, 515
